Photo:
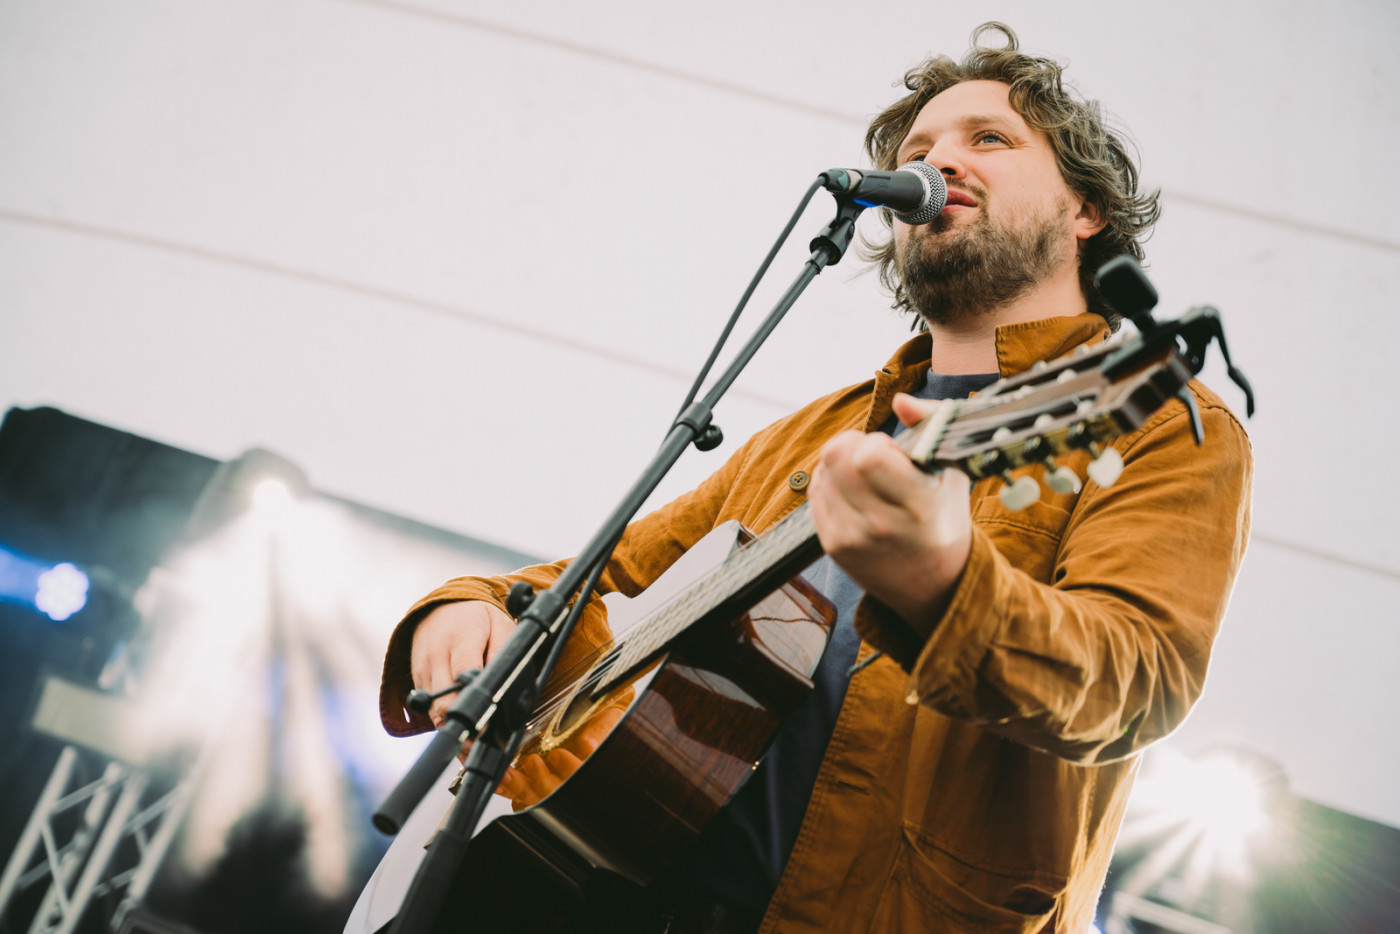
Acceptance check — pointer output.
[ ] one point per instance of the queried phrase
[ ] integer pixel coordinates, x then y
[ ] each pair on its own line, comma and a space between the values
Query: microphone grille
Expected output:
937, 190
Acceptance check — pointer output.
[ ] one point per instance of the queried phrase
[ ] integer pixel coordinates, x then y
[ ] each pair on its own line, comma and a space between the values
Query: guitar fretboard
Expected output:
745, 567
762, 560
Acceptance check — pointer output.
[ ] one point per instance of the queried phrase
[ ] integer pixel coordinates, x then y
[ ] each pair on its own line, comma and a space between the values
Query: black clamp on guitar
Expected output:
1127, 289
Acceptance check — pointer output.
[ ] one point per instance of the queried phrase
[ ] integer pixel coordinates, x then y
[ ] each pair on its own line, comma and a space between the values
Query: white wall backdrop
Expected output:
459, 259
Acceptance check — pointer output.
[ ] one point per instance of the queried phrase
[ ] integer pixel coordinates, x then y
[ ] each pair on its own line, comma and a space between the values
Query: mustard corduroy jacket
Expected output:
978, 773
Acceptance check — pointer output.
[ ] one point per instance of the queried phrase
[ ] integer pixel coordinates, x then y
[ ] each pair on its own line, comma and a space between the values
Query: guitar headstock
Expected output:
1082, 401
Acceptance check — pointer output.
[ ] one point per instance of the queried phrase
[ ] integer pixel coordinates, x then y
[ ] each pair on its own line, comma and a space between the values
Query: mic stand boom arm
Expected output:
495, 701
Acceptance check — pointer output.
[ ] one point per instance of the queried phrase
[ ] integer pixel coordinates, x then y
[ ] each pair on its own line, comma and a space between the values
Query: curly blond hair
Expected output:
1093, 160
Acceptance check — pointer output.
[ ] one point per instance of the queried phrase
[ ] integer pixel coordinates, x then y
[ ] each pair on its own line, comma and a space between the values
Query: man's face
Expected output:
1011, 221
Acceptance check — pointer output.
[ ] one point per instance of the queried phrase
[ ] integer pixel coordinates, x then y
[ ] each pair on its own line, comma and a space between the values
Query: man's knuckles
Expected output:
853, 457
870, 456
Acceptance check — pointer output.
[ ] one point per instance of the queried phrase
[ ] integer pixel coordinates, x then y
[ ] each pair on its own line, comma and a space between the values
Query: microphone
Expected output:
915, 192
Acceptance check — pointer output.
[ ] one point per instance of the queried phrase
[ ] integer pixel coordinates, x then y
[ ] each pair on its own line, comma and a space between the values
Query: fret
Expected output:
745, 566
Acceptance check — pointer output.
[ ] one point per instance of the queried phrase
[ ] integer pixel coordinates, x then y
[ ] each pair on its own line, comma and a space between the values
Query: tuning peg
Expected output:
1061, 479
1019, 493
1106, 466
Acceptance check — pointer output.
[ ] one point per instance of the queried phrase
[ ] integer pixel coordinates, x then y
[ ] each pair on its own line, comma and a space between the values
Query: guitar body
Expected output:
697, 724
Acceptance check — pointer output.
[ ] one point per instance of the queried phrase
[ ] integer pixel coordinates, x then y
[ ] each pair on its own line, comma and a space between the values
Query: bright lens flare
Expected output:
1227, 800
1202, 817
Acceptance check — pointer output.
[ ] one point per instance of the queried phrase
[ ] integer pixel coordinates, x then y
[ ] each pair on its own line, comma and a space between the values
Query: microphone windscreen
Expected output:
938, 193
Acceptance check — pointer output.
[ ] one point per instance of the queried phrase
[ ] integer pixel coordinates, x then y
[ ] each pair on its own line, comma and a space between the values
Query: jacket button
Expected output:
799, 480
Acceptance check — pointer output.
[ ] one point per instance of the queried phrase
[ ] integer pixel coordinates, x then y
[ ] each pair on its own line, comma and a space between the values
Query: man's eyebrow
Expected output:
965, 122
976, 120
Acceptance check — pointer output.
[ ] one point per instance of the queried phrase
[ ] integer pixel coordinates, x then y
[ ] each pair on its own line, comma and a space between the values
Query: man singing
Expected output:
971, 778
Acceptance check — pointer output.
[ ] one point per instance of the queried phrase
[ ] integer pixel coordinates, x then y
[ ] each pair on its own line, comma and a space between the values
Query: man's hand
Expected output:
900, 533
537, 775
451, 639
457, 637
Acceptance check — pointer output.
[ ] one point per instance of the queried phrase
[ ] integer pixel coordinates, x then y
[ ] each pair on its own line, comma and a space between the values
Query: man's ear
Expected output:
1088, 220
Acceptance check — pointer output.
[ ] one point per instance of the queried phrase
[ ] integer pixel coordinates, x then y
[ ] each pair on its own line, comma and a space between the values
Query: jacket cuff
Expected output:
943, 660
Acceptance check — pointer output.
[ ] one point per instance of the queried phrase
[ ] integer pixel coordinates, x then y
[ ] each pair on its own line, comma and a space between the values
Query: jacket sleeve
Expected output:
647, 548
1109, 653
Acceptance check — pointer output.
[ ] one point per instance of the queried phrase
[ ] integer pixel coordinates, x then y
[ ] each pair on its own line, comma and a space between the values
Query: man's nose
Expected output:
948, 160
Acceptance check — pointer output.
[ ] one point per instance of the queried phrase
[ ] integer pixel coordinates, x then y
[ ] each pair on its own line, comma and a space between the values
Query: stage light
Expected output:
257, 483
1228, 799
1219, 796
1198, 823
272, 500
62, 591
58, 590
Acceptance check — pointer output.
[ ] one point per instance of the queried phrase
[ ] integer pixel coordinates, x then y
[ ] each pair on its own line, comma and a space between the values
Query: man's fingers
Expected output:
501, 628
513, 783
451, 639
536, 781
562, 763
912, 410
438, 712
868, 470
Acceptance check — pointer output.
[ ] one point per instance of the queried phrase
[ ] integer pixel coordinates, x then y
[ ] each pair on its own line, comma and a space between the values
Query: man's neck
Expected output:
969, 344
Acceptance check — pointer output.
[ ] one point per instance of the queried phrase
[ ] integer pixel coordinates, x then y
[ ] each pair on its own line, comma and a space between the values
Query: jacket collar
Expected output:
1018, 345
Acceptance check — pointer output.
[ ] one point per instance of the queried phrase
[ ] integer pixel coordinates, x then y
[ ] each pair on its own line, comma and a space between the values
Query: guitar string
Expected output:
640, 643
657, 628
663, 618
661, 626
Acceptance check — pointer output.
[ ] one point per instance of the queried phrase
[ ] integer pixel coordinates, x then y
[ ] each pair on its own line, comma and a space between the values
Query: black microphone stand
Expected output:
494, 703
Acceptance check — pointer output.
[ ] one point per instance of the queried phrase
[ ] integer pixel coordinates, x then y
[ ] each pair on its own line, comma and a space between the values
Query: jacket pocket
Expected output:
919, 898
1028, 538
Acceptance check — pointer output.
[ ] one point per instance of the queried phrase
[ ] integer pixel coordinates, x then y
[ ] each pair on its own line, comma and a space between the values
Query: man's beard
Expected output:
949, 274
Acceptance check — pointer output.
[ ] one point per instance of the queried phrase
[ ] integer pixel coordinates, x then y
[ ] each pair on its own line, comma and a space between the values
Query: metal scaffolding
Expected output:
90, 840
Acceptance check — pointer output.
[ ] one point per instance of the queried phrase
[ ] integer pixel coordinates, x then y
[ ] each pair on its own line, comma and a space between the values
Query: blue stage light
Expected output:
58, 590
62, 591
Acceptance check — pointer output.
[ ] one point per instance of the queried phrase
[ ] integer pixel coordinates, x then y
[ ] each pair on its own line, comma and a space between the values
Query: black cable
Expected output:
586, 592
744, 299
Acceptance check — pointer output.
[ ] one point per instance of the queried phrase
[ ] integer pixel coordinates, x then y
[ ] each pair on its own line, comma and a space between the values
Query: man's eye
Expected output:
992, 135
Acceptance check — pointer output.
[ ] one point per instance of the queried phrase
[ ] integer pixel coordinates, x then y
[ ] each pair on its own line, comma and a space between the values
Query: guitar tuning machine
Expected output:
1018, 493
1060, 478
1106, 466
